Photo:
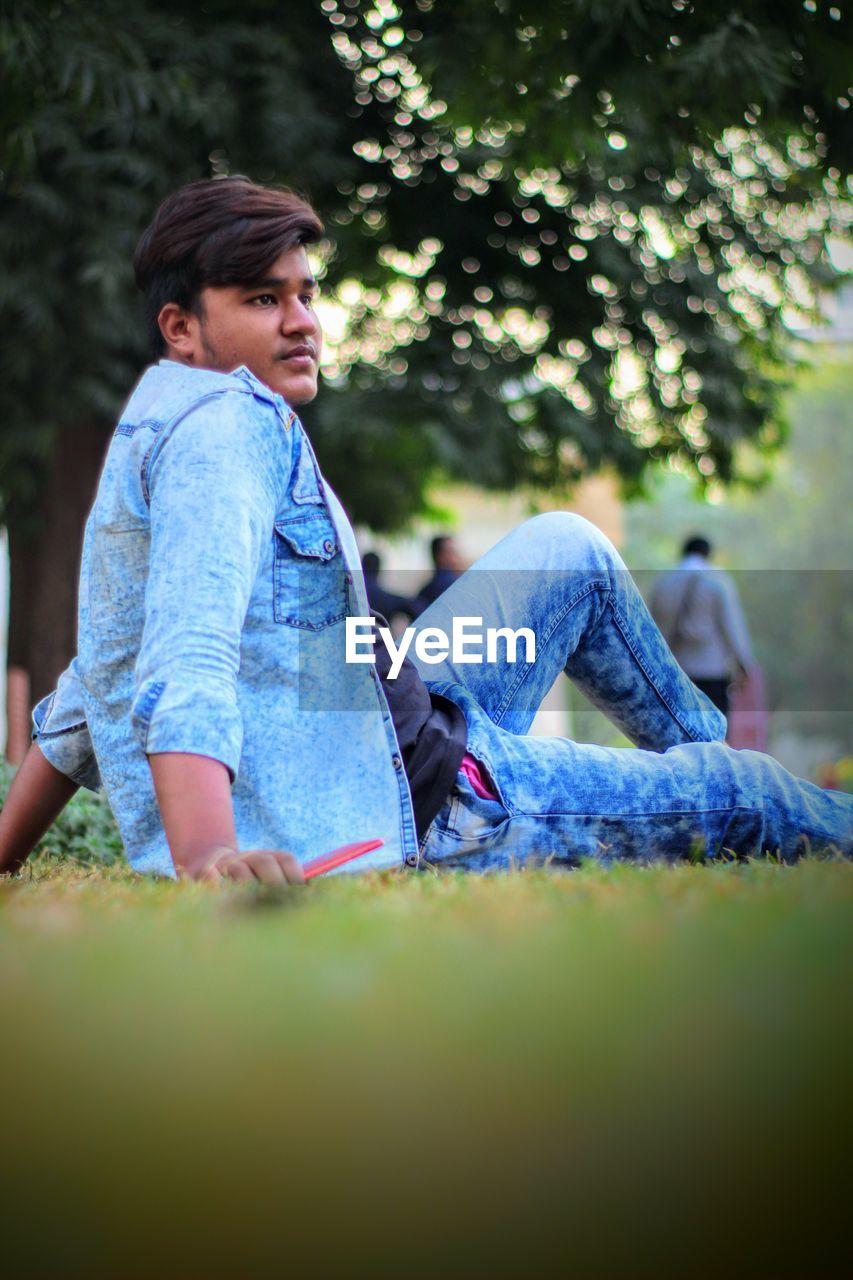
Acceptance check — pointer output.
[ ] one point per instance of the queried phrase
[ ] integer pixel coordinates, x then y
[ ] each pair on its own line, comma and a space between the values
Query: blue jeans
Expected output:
682, 794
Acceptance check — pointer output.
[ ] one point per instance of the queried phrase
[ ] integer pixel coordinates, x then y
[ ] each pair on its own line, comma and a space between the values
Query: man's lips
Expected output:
302, 356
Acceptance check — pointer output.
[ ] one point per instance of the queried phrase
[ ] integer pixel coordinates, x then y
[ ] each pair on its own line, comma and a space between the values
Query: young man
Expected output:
212, 693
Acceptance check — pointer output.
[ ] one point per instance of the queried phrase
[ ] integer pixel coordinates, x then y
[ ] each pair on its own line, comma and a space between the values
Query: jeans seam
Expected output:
643, 813
622, 625
558, 619
461, 838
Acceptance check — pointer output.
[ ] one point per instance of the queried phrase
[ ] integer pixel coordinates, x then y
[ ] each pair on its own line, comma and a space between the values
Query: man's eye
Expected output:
264, 299
308, 299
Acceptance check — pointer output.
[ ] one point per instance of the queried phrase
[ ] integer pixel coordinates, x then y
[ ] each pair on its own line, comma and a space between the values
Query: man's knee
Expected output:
566, 528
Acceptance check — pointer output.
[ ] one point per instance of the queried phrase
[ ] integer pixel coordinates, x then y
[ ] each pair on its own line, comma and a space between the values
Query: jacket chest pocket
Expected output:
310, 579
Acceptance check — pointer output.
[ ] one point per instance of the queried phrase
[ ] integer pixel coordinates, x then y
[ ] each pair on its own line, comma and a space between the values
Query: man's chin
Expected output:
296, 390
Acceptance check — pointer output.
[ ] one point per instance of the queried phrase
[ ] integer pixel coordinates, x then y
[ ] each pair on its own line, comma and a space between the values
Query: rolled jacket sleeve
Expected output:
213, 481
61, 732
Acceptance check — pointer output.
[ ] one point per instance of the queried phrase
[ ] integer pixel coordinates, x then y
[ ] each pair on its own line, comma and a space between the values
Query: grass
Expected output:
632, 1072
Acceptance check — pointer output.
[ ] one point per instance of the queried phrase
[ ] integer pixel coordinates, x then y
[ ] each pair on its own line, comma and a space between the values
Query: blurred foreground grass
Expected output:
637, 1072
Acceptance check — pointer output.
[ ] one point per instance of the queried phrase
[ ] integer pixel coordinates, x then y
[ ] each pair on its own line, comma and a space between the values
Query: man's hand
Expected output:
269, 866
194, 795
740, 679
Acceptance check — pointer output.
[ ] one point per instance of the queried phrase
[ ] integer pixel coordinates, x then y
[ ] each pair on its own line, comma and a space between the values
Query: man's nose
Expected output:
298, 318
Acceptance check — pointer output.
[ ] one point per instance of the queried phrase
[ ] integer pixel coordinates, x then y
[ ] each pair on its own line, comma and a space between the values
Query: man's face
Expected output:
269, 326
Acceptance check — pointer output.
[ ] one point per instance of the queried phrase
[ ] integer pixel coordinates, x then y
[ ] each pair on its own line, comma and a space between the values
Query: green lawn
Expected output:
631, 1072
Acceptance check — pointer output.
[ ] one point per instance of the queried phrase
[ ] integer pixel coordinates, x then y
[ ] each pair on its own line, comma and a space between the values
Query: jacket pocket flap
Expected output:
310, 534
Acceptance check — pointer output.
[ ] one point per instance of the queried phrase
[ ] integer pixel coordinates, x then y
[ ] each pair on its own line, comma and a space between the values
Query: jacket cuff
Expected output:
172, 715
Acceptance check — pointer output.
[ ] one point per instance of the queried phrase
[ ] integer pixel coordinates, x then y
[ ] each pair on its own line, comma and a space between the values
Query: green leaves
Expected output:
625, 199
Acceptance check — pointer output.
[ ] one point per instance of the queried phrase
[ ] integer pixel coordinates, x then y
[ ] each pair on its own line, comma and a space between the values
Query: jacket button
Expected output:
397, 762
412, 860
328, 546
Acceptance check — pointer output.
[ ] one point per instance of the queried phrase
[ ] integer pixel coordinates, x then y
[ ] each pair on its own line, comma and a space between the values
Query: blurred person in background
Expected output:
388, 603
448, 565
698, 610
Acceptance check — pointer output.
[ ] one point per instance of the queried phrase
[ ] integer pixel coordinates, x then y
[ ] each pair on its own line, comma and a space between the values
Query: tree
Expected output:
612, 248
557, 249
105, 108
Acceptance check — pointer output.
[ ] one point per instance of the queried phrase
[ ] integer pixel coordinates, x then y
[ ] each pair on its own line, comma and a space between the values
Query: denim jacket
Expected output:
218, 569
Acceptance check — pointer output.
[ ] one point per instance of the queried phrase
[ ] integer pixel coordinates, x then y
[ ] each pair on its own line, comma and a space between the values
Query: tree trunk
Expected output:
22, 563
44, 570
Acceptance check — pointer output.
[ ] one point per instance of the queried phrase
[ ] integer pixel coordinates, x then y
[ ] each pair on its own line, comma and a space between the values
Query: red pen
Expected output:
328, 861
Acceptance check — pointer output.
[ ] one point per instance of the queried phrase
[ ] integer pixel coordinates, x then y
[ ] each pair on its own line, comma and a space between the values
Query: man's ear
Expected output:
179, 328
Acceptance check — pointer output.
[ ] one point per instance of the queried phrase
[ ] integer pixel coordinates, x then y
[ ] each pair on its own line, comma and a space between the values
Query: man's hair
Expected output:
696, 546
219, 231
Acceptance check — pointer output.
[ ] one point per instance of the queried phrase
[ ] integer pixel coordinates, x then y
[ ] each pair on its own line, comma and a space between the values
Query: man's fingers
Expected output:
276, 866
265, 867
291, 868
234, 869
269, 866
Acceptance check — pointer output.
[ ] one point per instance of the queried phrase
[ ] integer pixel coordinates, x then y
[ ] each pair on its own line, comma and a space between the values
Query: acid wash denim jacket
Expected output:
218, 569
